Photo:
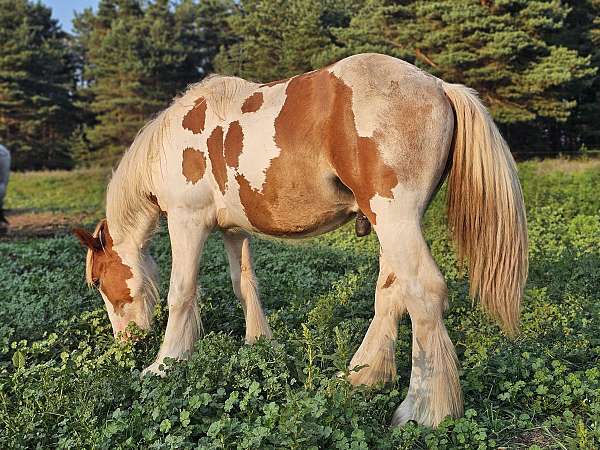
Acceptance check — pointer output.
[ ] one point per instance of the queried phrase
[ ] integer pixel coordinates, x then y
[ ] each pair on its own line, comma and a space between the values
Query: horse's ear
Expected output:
87, 239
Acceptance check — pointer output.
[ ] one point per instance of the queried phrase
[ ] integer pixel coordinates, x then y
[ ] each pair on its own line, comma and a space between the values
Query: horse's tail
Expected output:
486, 213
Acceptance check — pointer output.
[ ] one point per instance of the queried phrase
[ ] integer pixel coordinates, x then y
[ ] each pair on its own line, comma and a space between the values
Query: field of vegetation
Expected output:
65, 383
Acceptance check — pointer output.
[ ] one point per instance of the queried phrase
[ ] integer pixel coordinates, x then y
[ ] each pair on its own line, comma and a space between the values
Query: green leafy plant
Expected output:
65, 382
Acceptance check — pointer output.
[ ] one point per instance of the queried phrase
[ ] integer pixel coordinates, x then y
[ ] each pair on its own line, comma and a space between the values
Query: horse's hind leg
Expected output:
377, 349
434, 390
245, 286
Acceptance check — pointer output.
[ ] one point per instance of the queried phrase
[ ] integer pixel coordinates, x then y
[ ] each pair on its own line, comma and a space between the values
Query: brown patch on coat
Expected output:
356, 159
234, 143
193, 165
389, 280
301, 194
317, 123
195, 119
107, 267
253, 103
364, 172
217, 158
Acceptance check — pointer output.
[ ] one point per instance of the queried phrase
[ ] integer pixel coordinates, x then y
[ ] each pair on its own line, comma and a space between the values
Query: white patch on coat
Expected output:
259, 136
405, 205
259, 149
174, 190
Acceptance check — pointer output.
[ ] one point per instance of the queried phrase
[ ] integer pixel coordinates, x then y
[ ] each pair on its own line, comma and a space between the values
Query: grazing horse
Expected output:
371, 137
4, 173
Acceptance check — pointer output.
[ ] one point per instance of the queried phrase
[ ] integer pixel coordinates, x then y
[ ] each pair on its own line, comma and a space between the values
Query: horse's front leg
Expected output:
188, 233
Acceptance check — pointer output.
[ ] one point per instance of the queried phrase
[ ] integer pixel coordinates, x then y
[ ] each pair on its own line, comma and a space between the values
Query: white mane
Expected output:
220, 91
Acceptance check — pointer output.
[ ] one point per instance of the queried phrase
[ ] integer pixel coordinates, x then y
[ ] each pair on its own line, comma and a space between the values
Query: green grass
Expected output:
80, 191
65, 383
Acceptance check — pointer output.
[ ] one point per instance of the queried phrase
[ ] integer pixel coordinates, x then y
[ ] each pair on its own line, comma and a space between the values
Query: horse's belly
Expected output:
295, 205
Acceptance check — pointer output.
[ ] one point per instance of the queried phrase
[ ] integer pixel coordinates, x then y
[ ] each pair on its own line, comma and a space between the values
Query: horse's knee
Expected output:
427, 298
181, 295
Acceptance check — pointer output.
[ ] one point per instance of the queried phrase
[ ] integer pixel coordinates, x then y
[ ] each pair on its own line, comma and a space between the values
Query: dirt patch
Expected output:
30, 223
535, 436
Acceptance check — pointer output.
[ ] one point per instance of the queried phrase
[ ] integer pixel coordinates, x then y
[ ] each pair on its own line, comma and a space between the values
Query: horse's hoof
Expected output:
252, 339
155, 368
403, 414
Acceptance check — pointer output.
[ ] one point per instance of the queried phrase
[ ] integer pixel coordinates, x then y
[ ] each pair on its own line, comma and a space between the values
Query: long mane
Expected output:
131, 214
129, 210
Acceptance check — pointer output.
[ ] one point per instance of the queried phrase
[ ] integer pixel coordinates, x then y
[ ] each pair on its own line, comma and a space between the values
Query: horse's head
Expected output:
124, 277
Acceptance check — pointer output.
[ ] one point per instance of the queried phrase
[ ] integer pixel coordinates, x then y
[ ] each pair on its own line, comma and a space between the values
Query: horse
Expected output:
4, 174
370, 136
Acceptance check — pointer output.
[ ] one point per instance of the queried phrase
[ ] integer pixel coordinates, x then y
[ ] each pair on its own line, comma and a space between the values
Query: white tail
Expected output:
486, 213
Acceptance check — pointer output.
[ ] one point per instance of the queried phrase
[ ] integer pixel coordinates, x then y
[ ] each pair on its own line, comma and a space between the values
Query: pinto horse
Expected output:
371, 136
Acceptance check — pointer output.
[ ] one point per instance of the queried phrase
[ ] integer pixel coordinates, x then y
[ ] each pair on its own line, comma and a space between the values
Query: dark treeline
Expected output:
80, 98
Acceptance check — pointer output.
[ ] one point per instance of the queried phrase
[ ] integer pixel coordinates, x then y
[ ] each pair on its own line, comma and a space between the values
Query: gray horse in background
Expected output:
4, 173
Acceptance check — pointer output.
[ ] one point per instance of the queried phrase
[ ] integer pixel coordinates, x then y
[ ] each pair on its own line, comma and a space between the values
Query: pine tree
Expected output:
275, 39
137, 55
504, 49
37, 83
371, 29
582, 33
211, 30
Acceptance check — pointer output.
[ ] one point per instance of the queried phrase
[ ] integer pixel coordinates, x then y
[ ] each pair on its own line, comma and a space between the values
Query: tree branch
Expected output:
423, 58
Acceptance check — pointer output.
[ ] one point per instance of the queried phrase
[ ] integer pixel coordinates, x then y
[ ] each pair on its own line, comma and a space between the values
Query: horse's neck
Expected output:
133, 239
130, 215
